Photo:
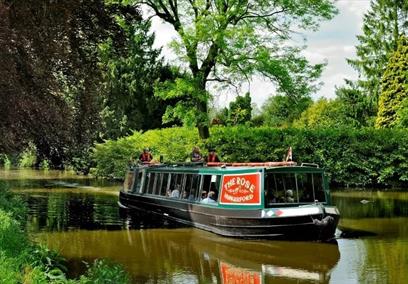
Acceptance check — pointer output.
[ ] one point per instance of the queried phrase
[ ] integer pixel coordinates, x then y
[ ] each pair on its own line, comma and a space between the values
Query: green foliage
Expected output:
394, 87
114, 156
281, 111
11, 203
358, 108
322, 114
28, 157
103, 272
383, 24
240, 110
12, 238
402, 114
230, 42
9, 270
356, 157
5, 161
130, 72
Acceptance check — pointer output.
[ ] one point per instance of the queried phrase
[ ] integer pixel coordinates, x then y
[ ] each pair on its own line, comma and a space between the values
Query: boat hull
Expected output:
313, 222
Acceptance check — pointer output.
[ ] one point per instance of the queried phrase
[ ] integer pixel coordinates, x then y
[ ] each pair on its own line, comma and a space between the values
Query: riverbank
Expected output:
22, 261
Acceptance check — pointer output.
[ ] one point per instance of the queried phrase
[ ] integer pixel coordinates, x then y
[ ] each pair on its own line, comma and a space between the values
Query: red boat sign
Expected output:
241, 189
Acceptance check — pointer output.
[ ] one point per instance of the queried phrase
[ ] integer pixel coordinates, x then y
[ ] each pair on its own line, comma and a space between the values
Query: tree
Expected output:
394, 88
49, 77
356, 106
240, 110
129, 73
383, 24
281, 111
231, 41
323, 114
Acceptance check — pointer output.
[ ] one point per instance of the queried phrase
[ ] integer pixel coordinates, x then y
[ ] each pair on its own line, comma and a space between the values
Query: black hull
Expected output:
236, 223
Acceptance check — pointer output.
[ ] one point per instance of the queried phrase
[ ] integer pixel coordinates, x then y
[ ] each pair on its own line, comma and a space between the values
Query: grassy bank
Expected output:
24, 262
352, 157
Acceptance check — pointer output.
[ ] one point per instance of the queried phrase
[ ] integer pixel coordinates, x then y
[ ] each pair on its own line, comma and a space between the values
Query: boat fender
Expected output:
324, 222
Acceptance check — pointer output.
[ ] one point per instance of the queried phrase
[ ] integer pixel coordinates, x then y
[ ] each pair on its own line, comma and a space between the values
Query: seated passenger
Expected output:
175, 193
209, 198
203, 195
289, 196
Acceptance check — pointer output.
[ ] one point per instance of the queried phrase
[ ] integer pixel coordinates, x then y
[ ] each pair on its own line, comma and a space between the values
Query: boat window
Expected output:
138, 181
191, 186
280, 188
289, 188
319, 187
305, 187
176, 184
150, 182
164, 179
211, 183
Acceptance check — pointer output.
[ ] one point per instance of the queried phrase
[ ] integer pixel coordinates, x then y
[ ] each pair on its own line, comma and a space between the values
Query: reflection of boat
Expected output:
187, 255
259, 200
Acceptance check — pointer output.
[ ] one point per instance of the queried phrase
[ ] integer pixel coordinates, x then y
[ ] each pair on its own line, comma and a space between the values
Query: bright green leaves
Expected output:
228, 41
189, 98
394, 95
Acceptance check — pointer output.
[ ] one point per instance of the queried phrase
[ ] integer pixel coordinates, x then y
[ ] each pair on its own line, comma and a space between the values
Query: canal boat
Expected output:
279, 200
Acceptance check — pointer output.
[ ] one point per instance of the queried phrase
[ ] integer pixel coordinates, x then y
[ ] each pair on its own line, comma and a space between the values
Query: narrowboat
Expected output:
278, 200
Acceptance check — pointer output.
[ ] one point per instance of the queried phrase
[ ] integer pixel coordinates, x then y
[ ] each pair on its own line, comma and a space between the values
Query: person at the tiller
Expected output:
212, 156
146, 156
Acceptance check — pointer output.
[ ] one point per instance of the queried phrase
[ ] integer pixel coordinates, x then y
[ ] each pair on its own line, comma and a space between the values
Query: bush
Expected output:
355, 157
102, 272
28, 157
114, 156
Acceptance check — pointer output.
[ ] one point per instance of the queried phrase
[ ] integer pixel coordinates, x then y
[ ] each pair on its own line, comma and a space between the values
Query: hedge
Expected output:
352, 157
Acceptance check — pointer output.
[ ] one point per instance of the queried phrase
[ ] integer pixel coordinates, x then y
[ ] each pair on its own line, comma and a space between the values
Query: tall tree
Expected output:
383, 24
49, 80
281, 111
129, 74
394, 94
230, 41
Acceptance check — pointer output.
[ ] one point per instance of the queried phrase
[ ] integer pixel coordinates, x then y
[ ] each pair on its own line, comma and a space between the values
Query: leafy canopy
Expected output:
394, 96
231, 41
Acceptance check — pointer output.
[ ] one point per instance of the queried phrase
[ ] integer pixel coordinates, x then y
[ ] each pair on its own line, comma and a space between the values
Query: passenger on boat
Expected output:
289, 196
146, 156
175, 193
203, 195
210, 198
212, 156
196, 155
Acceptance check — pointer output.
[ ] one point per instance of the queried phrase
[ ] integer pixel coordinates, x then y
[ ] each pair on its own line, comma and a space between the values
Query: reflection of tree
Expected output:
378, 206
385, 261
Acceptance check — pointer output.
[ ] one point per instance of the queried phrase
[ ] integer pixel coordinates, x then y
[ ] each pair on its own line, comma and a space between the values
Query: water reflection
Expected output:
188, 255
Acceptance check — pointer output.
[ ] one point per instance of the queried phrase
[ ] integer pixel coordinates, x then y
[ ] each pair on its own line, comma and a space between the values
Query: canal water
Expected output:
79, 217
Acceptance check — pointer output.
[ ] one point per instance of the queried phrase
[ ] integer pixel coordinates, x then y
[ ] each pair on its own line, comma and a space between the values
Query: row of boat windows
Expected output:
190, 187
294, 188
279, 187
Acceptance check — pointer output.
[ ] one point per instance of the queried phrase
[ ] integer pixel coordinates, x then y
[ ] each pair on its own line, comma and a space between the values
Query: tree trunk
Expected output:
202, 123
203, 131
